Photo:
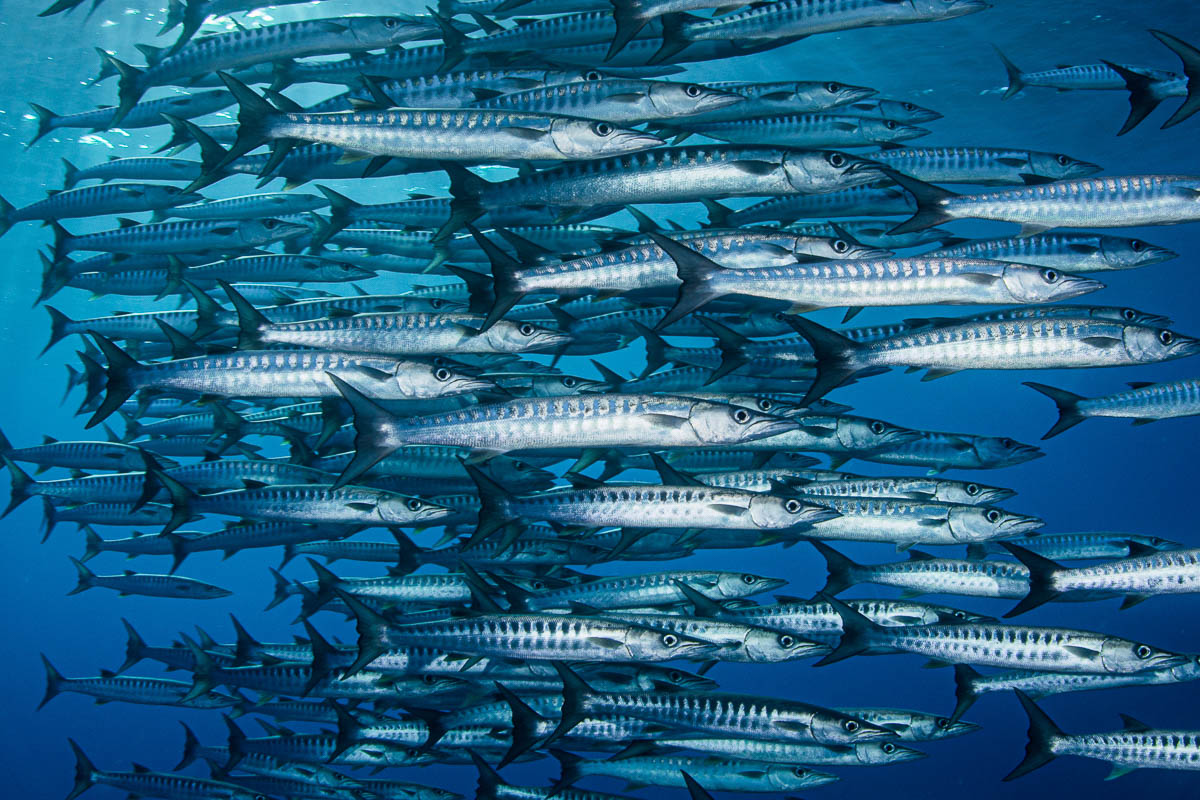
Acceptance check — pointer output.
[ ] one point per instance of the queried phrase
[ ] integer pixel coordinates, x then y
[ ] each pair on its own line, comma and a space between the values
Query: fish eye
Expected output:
536, 585
526, 329
669, 639
960, 614
787, 642
1050, 275
1166, 337
749, 580
765, 405
414, 504
878, 428
833, 88
972, 489
520, 465
692, 90
851, 725
569, 382
993, 515
269, 223
909, 107
837, 159
591, 75
428, 680
390, 22
675, 675
778, 316
1007, 442
792, 506
602, 129
942, 722
1063, 160
435, 303
799, 772
1129, 314
888, 748
441, 374
840, 246
890, 125
741, 416
1136, 245
1142, 651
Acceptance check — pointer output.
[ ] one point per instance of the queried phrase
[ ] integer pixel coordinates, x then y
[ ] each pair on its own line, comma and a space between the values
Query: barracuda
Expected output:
106, 456
821, 619
132, 583
321, 749
1114, 202
617, 100
1067, 546
802, 130
108, 688
665, 175
175, 237
572, 422
142, 115
774, 98
913, 726
942, 451
867, 282
290, 268
768, 479
94, 201
843, 437
717, 773
1136, 746
875, 233
862, 754
250, 206
443, 466
996, 645
653, 589
276, 373
142, 168
969, 685
143, 782
739, 643
462, 88
1078, 252
909, 522
524, 636
272, 42
984, 166
1143, 402
924, 574
869, 201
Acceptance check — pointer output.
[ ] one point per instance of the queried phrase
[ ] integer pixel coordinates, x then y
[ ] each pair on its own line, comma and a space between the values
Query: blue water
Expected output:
1103, 475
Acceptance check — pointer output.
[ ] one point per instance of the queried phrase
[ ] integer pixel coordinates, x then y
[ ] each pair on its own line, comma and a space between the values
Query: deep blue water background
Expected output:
1103, 475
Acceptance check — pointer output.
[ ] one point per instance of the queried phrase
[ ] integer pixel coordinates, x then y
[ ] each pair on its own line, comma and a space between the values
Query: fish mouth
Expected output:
926, 115
467, 385
1077, 285
770, 426
1020, 523
696, 650
632, 142
1154, 254
992, 496
815, 778
715, 100
893, 439
1185, 346
873, 252
1024, 452
856, 93
911, 132
1082, 169
771, 584
873, 733
814, 515
904, 754
548, 341
1164, 660
960, 728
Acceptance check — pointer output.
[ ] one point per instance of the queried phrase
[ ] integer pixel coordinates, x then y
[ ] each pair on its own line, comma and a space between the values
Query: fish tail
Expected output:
70, 174
525, 723
568, 766
465, 205
181, 135
1041, 579
732, 346
236, 742
406, 560
1068, 407
1190, 57
6, 208
841, 569
59, 249
119, 386
208, 311
630, 19
181, 497
20, 486
254, 115
191, 747
322, 658
1042, 735
50, 517
348, 727
45, 122
694, 788
489, 780
833, 353
964, 690
1141, 96
179, 551
718, 215
695, 272
129, 88
54, 680
674, 36
492, 500
454, 41
87, 578
372, 632
93, 544
340, 210
202, 669
175, 12
371, 442
281, 593
1016, 80
929, 203
251, 321
247, 646
506, 281
84, 772
856, 632
656, 349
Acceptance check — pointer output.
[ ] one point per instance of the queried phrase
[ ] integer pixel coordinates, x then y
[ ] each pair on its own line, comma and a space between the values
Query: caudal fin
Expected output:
1016, 80
119, 385
1068, 407
371, 443
929, 199
630, 19
84, 772
1141, 96
834, 355
20, 483
506, 283
254, 115
841, 569
54, 680
1042, 735
87, 578
856, 632
965, 693
45, 122
1190, 57
1041, 579
695, 272
493, 512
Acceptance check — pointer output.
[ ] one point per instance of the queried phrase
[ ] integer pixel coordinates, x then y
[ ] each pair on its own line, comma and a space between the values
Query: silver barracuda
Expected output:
143, 782
108, 688
1143, 402
133, 583
942, 451
1083, 545
250, 206
940, 490
142, 115
104, 456
924, 574
875, 233
882, 108
862, 754
653, 589
617, 100
774, 98
802, 130
986, 166
93, 201
140, 168
914, 726
909, 522
175, 237
1075, 252
739, 643
718, 773
859, 201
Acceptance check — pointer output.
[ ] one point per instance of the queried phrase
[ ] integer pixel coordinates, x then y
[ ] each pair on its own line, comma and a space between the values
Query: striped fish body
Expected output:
1084, 545
259, 534
172, 586
143, 691
942, 451
616, 100
806, 130
1165, 572
321, 749
999, 579
119, 514
1156, 401
173, 237
984, 166
654, 589
715, 773
837, 484
462, 88
1090, 77
1076, 252
819, 619
92, 201
740, 643
1136, 747
142, 115
1043, 684
421, 589
144, 783
875, 234
906, 521
251, 206
144, 168
569, 30
861, 754
106, 456
770, 99
869, 201
795, 18
289, 268
319, 504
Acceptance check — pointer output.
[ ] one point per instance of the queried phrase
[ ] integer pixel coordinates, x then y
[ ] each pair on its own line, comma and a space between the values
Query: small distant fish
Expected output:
1144, 402
1074, 252
134, 583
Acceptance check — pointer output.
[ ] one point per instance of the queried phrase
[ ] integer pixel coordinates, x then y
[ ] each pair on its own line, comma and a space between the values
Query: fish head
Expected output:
1124, 656
524, 337
837, 728
778, 512
418, 380
433, 685
817, 95
518, 475
647, 644
806, 248
820, 171
1189, 670
724, 585
208, 590
931, 613
269, 229
862, 434
1149, 345
984, 523
970, 493
1059, 166
767, 646
906, 112
714, 423
400, 510
655, 678
1120, 252
175, 194
930, 10
930, 727
1001, 451
561, 385
578, 139
875, 753
672, 99
793, 777
1126, 314
890, 130
1028, 284
340, 271
767, 405
1156, 542
375, 33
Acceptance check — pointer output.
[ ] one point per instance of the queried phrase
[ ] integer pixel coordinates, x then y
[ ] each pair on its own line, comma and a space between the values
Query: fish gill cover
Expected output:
546, 367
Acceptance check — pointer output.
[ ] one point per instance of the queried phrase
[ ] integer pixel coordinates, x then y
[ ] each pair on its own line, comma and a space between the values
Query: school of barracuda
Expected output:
262, 412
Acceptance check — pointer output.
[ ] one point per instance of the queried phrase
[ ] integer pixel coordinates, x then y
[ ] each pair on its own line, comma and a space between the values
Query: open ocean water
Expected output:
1102, 475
